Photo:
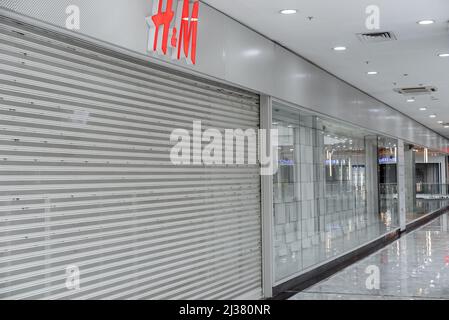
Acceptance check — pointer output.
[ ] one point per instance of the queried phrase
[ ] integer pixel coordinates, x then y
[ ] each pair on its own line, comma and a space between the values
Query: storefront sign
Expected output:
387, 160
174, 37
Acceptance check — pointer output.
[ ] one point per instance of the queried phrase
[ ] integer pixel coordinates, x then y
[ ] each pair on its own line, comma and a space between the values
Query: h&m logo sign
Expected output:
171, 35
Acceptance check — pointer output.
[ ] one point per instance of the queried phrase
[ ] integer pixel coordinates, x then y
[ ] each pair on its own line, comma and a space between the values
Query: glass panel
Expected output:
321, 191
427, 190
388, 180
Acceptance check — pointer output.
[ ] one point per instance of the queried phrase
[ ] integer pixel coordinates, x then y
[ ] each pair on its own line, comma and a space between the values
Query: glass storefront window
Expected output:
325, 192
388, 180
427, 184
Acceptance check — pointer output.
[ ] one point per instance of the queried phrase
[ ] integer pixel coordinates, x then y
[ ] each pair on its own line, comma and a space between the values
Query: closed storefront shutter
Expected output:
87, 188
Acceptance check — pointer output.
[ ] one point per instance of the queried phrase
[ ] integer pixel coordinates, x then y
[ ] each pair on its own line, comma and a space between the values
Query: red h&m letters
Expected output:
164, 35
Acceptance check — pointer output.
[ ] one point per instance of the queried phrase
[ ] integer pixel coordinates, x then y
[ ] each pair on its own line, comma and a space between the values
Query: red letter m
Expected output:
188, 31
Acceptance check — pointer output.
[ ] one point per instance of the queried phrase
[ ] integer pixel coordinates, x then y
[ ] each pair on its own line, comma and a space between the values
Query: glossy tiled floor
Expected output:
414, 267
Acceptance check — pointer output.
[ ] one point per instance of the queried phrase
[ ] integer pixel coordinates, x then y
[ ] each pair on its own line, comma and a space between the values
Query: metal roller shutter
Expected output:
86, 179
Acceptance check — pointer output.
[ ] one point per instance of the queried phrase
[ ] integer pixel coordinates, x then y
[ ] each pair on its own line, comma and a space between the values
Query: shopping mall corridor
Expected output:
414, 267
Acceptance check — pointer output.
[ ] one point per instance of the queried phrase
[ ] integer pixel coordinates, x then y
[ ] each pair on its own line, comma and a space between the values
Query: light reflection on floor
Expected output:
414, 267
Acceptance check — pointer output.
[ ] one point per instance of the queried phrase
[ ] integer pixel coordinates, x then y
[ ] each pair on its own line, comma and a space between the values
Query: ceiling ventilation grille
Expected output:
375, 37
416, 90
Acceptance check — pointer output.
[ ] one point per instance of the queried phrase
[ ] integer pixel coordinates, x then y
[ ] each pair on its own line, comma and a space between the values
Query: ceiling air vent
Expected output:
374, 37
416, 90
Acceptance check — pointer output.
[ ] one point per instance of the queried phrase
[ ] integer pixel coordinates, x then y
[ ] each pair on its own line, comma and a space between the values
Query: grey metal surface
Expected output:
86, 179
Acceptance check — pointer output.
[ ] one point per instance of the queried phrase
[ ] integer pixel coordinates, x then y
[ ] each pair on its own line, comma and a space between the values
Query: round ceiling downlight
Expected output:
288, 11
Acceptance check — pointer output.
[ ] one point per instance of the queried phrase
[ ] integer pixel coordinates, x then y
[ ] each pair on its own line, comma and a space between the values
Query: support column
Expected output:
266, 116
406, 182
443, 173
319, 179
372, 179
410, 178
401, 185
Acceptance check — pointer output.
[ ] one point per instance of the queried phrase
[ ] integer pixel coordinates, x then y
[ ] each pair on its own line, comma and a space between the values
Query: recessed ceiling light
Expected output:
440, 122
433, 116
251, 52
411, 100
446, 126
422, 109
426, 22
443, 55
339, 48
372, 73
288, 11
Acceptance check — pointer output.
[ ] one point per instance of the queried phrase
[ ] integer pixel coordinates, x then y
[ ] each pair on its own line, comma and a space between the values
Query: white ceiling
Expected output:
336, 23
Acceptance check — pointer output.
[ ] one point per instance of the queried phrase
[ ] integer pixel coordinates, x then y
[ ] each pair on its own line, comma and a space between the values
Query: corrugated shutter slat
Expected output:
86, 179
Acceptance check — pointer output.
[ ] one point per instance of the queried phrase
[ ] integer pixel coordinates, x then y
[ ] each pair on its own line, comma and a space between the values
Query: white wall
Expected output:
230, 52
